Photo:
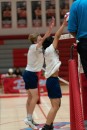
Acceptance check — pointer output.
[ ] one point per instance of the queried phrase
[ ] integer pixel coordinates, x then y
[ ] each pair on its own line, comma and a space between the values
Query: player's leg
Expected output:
31, 81
31, 107
52, 113
54, 108
29, 97
28, 101
54, 93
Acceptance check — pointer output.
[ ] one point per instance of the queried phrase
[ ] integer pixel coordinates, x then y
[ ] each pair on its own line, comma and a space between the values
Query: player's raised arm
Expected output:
59, 32
47, 34
51, 25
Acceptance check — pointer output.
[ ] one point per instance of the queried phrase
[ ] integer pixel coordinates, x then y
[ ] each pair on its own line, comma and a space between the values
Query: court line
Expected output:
19, 96
15, 121
42, 111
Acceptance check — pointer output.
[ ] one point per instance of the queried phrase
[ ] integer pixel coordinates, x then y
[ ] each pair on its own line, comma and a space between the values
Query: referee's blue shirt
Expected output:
78, 19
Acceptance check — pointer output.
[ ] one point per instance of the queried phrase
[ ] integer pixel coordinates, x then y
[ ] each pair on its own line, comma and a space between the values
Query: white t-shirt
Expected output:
34, 59
52, 61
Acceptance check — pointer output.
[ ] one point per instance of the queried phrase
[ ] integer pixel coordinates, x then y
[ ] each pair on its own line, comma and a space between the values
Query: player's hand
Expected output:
66, 18
52, 23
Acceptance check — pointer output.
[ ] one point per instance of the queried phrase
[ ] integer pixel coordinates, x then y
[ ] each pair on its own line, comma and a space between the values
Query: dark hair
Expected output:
48, 41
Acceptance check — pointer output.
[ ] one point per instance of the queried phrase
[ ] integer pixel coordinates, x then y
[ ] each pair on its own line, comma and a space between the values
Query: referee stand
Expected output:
76, 107
83, 85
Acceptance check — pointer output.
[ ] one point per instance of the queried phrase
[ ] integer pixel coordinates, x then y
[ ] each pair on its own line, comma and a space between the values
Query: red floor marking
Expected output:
12, 96
42, 111
24, 95
45, 94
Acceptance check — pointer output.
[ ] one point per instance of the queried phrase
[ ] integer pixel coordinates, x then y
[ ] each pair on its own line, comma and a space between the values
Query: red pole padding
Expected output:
39, 101
76, 116
72, 110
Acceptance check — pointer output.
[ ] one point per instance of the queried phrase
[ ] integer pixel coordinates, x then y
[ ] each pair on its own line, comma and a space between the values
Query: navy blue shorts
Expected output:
30, 79
53, 87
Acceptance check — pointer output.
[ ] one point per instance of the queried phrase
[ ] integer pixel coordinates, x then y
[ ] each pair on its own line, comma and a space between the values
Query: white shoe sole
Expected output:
30, 124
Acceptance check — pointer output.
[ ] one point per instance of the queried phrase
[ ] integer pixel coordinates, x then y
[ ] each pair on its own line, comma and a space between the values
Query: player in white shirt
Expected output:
52, 63
34, 64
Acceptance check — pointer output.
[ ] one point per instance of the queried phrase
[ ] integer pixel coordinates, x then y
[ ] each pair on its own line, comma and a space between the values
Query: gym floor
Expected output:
13, 111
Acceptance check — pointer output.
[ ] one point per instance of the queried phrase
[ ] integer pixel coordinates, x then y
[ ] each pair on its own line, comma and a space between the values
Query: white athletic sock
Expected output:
29, 116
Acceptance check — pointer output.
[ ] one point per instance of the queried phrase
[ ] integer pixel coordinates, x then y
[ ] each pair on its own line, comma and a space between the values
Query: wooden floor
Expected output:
13, 111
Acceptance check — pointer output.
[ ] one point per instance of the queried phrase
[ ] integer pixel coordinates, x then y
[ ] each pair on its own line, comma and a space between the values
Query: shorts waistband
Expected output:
32, 72
53, 77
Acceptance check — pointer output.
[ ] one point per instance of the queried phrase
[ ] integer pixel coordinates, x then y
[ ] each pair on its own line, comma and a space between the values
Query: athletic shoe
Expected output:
35, 123
26, 120
51, 127
30, 123
46, 127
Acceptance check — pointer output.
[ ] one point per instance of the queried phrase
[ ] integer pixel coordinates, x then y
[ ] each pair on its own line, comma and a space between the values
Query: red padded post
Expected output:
76, 115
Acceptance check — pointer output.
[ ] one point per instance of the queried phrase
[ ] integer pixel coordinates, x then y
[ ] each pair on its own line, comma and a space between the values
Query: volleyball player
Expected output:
53, 63
34, 64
